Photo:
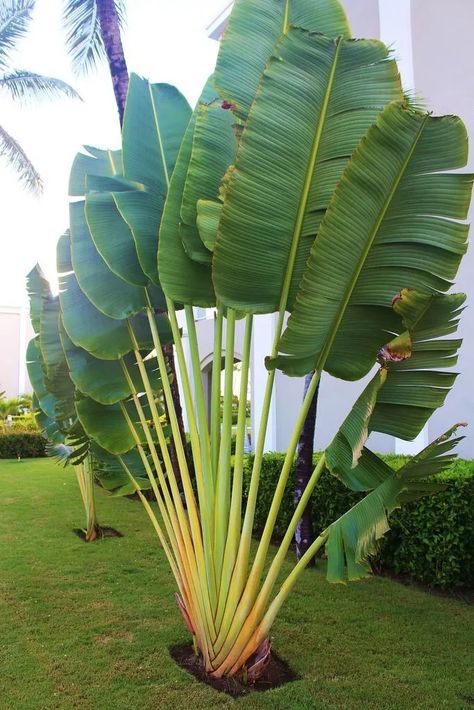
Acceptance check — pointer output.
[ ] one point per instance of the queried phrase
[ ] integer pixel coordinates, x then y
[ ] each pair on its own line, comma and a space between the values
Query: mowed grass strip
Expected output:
89, 625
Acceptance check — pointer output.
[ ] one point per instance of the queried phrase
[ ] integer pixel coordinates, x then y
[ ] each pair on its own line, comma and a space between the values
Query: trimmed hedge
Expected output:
26, 444
431, 539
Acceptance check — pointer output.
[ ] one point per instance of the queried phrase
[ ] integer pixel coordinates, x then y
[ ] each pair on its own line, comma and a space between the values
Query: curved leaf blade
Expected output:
394, 171
300, 133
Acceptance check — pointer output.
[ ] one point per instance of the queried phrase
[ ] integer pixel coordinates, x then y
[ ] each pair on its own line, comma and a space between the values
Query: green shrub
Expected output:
25, 444
431, 539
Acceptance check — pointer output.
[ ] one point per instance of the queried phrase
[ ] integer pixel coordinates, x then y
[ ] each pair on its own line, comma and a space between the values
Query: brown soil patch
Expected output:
276, 673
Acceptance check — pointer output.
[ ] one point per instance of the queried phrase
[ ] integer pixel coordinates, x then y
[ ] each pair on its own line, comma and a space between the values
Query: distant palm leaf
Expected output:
15, 16
24, 85
14, 154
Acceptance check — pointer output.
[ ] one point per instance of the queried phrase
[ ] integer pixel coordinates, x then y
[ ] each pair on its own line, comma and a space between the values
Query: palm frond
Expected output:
16, 157
24, 85
83, 36
14, 19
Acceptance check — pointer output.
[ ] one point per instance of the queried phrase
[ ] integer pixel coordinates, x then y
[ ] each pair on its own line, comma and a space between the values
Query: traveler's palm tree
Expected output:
22, 85
92, 33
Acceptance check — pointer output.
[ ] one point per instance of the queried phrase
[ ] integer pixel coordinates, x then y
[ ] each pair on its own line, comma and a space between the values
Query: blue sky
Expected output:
163, 41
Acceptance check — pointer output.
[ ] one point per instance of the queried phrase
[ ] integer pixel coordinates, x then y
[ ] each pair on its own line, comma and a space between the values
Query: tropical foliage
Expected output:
305, 183
22, 85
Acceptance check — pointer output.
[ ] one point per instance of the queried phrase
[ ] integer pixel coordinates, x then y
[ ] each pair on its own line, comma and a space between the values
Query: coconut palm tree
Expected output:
21, 85
93, 33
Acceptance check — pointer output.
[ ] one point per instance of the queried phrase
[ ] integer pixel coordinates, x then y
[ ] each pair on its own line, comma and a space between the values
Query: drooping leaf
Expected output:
402, 395
344, 301
354, 536
14, 20
16, 157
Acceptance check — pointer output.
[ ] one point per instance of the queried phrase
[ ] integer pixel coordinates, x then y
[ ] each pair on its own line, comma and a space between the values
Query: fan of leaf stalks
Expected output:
304, 183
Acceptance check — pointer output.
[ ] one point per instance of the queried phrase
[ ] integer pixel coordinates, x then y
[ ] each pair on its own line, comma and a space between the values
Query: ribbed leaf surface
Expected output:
251, 33
316, 100
214, 146
104, 380
354, 536
403, 395
109, 293
87, 327
183, 280
343, 310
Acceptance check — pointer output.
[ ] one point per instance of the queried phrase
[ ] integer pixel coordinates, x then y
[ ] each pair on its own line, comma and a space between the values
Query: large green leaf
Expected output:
156, 117
354, 536
214, 146
362, 258
252, 31
183, 280
35, 367
107, 163
87, 327
107, 425
316, 100
108, 292
113, 238
111, 475
105, 380
49, 341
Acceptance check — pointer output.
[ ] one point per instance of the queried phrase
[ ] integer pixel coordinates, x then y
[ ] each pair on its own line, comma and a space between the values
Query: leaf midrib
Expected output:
300, 215
158, 133
360, 264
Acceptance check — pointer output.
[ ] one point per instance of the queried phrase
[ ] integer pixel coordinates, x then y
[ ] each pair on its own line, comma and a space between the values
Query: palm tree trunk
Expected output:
304, 533
110, 32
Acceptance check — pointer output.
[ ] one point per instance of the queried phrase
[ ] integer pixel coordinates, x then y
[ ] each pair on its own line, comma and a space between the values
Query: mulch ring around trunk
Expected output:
277, 672
101, 533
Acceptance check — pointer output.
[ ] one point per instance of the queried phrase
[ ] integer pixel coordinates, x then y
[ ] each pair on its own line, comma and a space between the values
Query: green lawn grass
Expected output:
89, 625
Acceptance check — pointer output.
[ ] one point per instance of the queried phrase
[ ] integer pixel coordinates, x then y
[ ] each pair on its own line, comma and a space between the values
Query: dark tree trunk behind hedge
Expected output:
304, 534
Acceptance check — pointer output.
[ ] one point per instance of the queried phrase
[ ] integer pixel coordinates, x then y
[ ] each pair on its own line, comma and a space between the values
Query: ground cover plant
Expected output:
305, 182
90, 626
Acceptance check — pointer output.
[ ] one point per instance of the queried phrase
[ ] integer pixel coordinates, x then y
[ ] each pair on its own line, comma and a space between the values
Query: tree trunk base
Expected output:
100, 533
277, 672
